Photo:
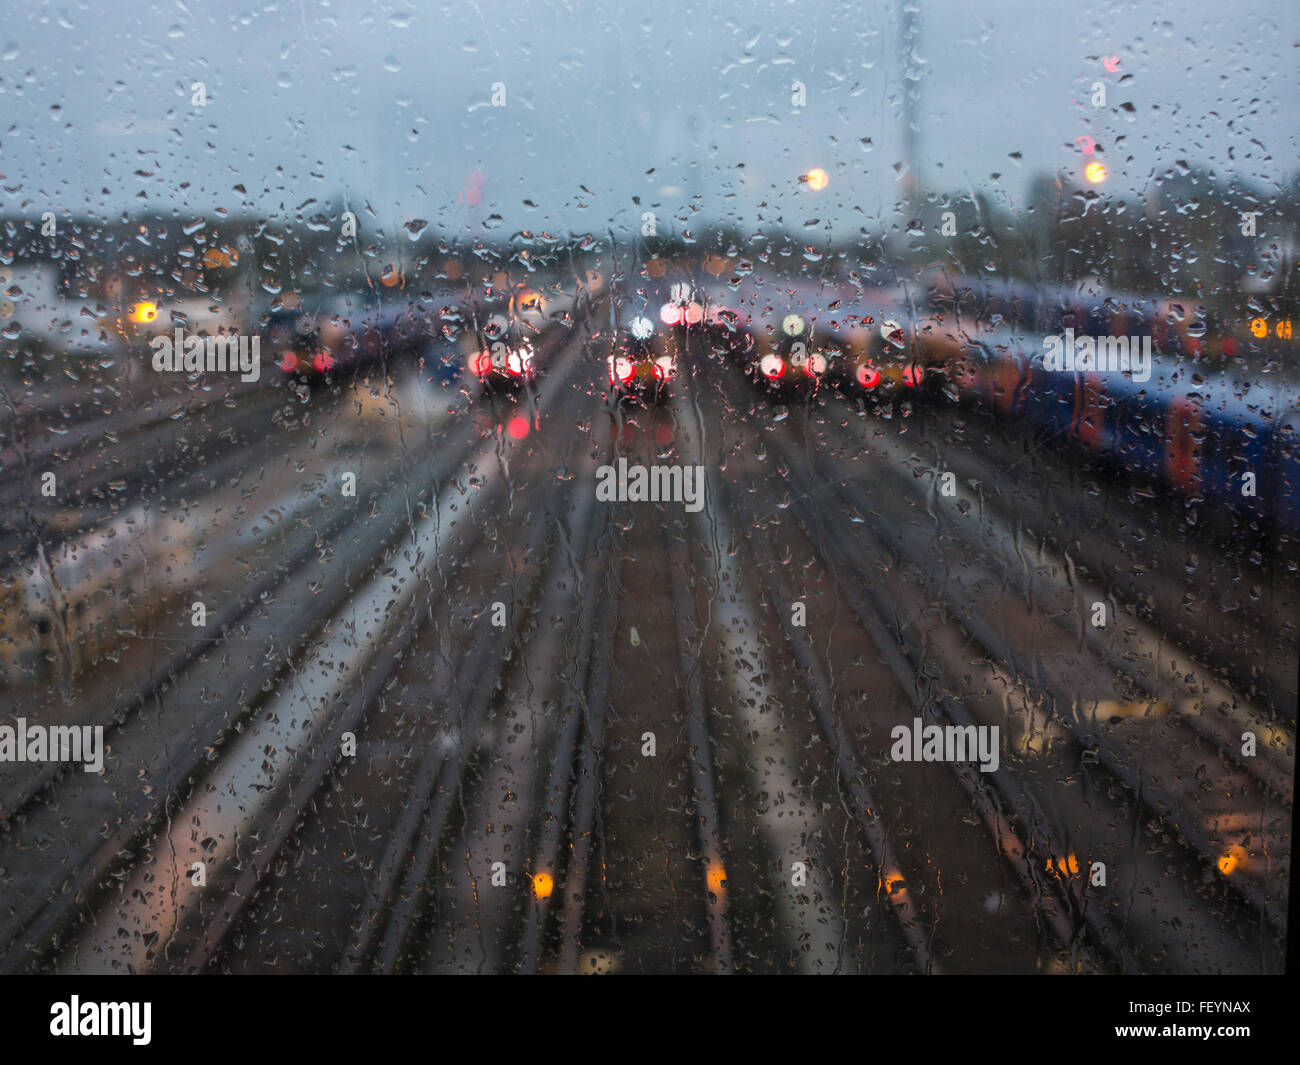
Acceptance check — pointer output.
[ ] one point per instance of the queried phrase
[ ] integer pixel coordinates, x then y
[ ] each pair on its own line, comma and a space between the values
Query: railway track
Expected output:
513, 728
897, 549
295, 617
1227, 595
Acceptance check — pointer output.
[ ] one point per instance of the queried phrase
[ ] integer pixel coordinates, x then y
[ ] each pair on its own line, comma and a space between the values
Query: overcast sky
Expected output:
390, 104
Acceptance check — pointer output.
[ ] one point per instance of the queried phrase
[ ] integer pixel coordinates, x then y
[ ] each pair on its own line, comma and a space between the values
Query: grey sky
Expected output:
391, 103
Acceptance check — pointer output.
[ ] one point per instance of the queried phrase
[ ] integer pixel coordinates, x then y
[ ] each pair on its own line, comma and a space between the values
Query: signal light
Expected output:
1095, 173
620, 369
1063, 866
143, 313
716, 878
520, 362
323, 361
868, 376
481, 364
772, 366
528, 301
1231, 860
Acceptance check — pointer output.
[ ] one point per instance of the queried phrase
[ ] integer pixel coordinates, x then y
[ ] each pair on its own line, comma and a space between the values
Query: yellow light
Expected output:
817, 179
1259, 327
1064, 866
527, 301
1231, 860
716, 878
215, 257
1095, 173
143, 313
543, 885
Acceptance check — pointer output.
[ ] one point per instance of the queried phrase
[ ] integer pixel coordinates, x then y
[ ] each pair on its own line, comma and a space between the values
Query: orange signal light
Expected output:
716, 878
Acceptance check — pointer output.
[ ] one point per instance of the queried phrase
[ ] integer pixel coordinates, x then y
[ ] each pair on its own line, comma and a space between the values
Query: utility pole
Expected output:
909, 33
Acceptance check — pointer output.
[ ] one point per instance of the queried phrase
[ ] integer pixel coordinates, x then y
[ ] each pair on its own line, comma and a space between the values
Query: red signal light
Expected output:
868, 377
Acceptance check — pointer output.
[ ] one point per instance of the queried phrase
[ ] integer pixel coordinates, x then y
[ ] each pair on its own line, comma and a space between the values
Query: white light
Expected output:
893, 333
817, 364
641, 328
771, 365
669, 314
520, 360
793, 325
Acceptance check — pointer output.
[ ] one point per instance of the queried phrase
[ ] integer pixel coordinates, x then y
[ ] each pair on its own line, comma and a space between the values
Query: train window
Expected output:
657, 488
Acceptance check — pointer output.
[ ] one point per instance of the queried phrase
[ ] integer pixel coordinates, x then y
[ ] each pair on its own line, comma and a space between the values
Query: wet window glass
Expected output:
658, 489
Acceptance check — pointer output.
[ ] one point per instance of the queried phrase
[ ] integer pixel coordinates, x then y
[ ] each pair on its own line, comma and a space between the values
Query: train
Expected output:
767, 331
642, 360
342, 337
314, 341
500, 347
1155, 388
794, 338
329, 338
1161, 391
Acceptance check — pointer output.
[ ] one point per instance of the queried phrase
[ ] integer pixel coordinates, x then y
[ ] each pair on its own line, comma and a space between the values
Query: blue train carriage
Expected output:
1287, 451
1205, 435
980, 337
